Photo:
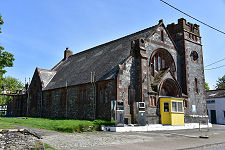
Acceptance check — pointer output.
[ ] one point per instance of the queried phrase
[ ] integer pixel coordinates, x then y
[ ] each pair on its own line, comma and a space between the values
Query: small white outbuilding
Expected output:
215, 100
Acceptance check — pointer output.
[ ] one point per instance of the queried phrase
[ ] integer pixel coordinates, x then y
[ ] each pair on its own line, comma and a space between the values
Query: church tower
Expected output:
190, 68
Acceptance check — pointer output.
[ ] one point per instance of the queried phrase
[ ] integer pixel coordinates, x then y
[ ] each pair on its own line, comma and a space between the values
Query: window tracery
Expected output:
161, 60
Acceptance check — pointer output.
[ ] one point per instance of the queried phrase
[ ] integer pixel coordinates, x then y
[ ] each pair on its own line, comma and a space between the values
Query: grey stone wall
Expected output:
18, 107
34, 96
103, 110
75, 109
187, 38
129, 74
125, 77
194, 70
167, 44
154, 43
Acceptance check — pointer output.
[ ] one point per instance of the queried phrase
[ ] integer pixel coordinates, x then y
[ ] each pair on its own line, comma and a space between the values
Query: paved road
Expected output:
180, 139
169, 144
210, 147
157, 140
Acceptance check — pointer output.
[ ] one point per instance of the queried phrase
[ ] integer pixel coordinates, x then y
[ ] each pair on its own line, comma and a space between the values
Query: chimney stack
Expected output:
67, 53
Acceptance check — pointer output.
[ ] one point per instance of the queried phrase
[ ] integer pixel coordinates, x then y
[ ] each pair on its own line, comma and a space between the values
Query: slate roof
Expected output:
45, 76
103, 60
215, 94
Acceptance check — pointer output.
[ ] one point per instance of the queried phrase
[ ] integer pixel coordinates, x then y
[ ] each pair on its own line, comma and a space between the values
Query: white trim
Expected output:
177, 106
201, 116
171, 97
156, 127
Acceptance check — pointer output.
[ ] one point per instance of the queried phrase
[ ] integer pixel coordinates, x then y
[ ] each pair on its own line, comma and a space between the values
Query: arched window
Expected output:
81, 96
128, 96
196, 85
160, 60
49, 98
85, 96
100, 96
106, 95
155, 63
162, 36
189, 35
163, 63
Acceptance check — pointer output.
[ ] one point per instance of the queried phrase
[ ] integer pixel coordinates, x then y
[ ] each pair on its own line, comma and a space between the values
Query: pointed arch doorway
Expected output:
170, 87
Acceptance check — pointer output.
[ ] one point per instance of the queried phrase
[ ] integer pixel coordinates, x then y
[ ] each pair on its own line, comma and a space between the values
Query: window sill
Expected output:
177, 112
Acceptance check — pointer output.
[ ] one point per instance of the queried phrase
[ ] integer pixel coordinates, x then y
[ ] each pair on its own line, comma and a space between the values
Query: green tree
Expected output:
6, 58
207, 86
12, 86
220, 83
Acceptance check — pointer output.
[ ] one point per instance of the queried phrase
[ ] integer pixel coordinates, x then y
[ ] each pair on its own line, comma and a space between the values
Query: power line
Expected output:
215, 67
215, 62
192, 17
203, 24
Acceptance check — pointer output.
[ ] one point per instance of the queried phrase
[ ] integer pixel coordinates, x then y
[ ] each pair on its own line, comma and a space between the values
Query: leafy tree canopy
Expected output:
220, 83
207, 86
10, 85
6, 58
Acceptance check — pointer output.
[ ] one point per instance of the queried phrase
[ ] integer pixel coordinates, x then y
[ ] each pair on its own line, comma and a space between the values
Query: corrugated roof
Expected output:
103, 60
215, 94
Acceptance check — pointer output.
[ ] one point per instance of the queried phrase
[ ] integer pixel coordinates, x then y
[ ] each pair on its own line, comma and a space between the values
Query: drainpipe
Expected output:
95, 100
41, 103
94, 93
27, 100
66, 98
28, 96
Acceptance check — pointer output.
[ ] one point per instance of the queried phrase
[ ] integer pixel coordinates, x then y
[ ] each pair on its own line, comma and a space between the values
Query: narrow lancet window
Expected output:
100, 96
162, 36
163, 63
159, 62
155, 63
196, 85
129, 95
106, 95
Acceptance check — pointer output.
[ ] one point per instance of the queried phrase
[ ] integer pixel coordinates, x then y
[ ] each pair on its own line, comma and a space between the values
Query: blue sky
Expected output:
38, 31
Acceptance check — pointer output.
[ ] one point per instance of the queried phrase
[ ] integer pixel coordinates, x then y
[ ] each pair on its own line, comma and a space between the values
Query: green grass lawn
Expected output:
60, 125
5, 125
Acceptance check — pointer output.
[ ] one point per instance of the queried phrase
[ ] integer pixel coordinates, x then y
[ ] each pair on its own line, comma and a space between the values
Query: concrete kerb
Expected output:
155, 127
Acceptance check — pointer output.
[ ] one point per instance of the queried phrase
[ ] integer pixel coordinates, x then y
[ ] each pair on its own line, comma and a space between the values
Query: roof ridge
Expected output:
116, 40
40, 69
77, 70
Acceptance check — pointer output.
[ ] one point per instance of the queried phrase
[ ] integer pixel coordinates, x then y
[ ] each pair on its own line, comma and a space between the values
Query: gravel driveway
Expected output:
81, 140
131, 140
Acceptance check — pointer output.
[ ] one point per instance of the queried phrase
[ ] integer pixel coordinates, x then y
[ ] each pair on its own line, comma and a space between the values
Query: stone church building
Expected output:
160, 61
